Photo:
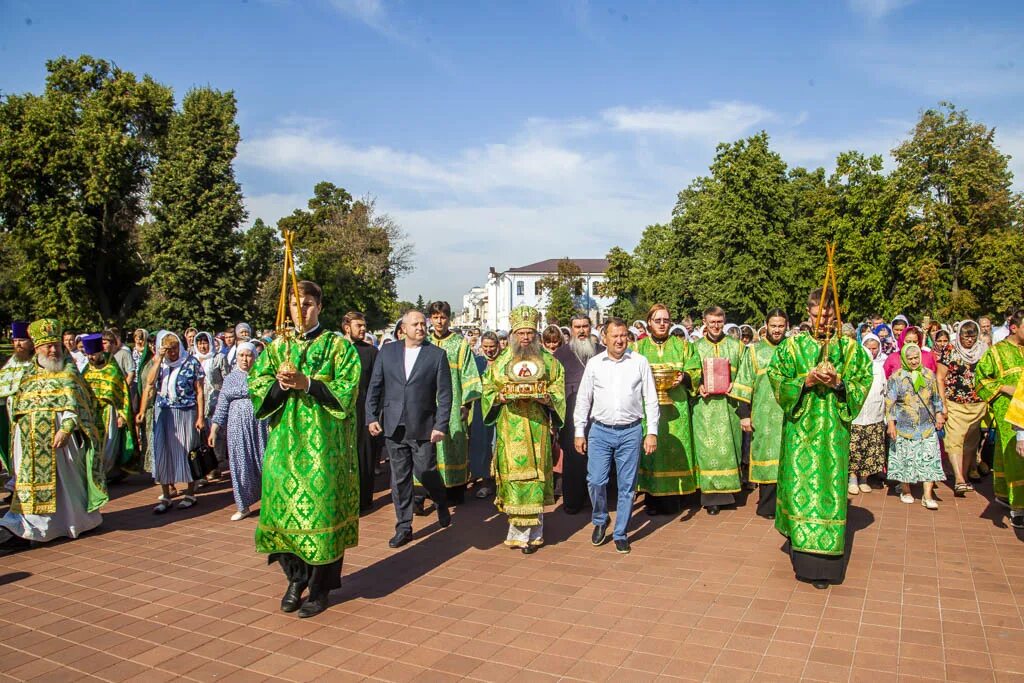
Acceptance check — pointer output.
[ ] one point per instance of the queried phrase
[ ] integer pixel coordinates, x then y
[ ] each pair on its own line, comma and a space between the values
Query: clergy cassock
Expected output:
668, 471
309, 512
752, 388
57, 492
813, 469
522, 456
1003, 364
717, 439
10, 378
111, 389
453, 452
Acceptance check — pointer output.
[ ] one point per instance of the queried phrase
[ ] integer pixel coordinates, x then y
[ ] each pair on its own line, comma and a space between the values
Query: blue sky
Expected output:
502, 133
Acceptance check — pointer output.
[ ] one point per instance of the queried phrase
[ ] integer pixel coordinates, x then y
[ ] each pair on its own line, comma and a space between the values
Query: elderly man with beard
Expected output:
523, 397
10, 378
573, 357
59, 486
481, 435
108, 383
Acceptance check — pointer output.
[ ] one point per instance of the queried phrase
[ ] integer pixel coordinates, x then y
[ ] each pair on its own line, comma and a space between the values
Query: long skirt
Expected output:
963, 427
867, 449
915, 460
174, 437
247, 442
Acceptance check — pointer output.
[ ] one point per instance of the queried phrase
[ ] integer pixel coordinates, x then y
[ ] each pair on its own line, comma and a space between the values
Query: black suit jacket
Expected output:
422, 403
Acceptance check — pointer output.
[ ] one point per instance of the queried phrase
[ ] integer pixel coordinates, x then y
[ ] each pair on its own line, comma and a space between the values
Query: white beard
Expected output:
51, 364
585, 349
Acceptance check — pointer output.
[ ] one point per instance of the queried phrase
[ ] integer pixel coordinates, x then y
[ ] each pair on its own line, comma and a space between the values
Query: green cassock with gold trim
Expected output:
522, 454
813, 469
453, 451
310, 505
766, 416
717, 439
1003, 364
668, 471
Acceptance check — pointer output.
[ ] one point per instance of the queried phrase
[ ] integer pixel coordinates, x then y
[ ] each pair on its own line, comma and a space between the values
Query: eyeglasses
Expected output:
661, 320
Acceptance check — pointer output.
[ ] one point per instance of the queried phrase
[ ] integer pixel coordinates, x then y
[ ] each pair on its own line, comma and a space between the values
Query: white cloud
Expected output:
721, 121
876, 9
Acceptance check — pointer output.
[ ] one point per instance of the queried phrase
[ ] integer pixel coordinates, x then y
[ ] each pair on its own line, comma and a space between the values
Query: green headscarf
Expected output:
916, 377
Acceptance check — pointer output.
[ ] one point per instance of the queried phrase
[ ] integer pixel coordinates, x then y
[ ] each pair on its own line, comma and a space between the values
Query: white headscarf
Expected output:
871, 336
246, 346
169, 386
205, 359
972, 355
680, 328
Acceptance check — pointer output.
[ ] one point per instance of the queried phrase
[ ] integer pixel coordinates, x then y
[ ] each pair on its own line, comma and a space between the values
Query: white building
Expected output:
519, 286
474, 308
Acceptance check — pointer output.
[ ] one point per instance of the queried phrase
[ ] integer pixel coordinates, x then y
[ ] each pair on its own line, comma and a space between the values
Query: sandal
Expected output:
961, 489
186, 502
163, 506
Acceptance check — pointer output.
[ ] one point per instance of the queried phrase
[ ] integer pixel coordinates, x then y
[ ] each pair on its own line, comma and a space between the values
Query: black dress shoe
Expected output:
713, 509
570, 510
529, 549
313, 607
597, 538
444, 516
292, 597
651, 510
820, 584
418, 509
622, 547
399, 539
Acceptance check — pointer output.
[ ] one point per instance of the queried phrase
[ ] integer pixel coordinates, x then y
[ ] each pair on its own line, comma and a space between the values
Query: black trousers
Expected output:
575, 494
364, 452
319, 578
412, 458
766, 499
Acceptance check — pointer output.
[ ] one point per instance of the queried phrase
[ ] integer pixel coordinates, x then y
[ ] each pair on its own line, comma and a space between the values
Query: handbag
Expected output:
201, 461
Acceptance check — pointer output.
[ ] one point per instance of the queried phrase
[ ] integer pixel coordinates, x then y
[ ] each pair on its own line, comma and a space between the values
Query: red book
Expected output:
716, 376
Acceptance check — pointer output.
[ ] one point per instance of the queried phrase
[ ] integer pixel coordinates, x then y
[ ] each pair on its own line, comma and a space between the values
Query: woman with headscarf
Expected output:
215, 367
964, 407
915, 412
178, 381
246, 436
867, 432
747, 335
940, 340
885, 337
909, 335
899, 323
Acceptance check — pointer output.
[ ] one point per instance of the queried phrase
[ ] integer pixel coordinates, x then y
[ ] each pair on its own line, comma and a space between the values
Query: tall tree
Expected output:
262, 258
74, 167
191, 245
564, 288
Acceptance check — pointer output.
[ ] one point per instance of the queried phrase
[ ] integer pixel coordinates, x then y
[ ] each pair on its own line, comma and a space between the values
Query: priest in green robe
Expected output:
524, 398
58, 476
10, 378
667, 474
761, 415
453, 452
110, 387
306, 386
820, 381
717, 439
995, 377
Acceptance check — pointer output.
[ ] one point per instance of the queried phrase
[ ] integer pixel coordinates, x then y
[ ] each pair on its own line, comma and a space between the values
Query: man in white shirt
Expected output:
617, 391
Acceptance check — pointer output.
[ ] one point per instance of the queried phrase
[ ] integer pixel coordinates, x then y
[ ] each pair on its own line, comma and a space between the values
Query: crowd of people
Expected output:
302, 420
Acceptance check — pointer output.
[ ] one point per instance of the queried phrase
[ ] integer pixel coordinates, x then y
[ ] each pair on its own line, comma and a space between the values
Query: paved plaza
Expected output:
928, 596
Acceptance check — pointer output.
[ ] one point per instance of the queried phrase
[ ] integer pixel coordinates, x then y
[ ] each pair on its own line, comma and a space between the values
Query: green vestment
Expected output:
668, 471
1003, 363
310, 505
111, 390
813, 469
752, 386
522, 454
453, 452
39, 402
717, 439
10, 378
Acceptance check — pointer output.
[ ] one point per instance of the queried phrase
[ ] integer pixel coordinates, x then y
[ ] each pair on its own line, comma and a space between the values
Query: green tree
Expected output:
191, 246
262, 258
421, 305
74, 167
564, 288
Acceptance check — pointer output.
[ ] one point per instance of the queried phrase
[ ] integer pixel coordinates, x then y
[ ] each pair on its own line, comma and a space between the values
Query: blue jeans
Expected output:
604, 445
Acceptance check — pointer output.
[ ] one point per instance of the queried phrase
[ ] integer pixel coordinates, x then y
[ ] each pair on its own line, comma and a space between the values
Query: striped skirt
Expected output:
174, 436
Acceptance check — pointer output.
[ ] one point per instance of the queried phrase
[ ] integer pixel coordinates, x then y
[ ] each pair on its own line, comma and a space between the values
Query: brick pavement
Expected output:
928, 596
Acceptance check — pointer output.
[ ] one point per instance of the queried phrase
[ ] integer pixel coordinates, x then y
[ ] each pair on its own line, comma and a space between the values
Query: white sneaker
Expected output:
865, 488
907, 498
930, 503
242, 514
853, 489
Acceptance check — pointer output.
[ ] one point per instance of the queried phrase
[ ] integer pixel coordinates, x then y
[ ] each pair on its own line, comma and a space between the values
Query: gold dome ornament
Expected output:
524, 318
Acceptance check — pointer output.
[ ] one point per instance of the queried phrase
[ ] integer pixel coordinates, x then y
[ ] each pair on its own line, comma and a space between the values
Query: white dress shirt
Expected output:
617, 392
411, 354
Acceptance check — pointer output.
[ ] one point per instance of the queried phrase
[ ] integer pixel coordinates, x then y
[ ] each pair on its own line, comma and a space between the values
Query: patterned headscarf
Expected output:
972, 355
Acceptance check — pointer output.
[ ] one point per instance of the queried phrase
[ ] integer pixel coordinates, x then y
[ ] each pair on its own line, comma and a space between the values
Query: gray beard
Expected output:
530, 351
585, 349
51, 364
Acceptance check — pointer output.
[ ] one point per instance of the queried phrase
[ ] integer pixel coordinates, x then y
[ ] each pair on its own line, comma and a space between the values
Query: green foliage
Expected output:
936, 236
74, 166
421, 305
196, 275
564, 288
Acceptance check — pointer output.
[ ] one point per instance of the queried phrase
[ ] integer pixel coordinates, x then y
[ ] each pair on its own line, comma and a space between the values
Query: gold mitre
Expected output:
524, 317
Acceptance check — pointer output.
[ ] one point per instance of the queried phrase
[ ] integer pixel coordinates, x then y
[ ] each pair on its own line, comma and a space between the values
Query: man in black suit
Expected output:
573, 357
410, 402
354, 327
